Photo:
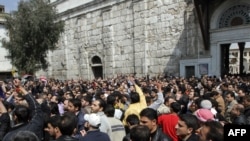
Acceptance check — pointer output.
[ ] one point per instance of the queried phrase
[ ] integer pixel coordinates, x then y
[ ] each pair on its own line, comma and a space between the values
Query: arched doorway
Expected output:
97, 67
230, 24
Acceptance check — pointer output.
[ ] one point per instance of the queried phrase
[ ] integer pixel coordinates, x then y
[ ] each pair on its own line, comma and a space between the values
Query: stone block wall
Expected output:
129, 36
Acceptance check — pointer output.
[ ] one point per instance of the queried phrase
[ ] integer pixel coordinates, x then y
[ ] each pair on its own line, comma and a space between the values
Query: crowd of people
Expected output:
123, 108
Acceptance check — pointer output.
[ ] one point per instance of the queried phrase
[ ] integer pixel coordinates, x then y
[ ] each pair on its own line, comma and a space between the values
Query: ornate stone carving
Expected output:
235, 15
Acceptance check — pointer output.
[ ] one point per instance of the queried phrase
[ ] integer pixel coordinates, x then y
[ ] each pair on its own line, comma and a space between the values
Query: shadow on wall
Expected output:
186, 39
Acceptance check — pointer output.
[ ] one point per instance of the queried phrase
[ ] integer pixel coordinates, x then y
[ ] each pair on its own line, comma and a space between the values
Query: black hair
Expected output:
214, 93
22, 113
109, 110
54, 108
111, 99
231, 93
54, 121
140, 133
68, 123
8, 105
176, 107
190, 120
216, 131
102, 103
134, 96
149, 113
87, 98
25, 136
76, 102
146, 90
167, 99
133, 119
99, 93
154, 90
148, 99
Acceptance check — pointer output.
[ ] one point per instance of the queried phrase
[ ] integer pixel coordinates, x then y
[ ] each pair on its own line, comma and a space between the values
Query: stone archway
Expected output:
229, 24
97, 67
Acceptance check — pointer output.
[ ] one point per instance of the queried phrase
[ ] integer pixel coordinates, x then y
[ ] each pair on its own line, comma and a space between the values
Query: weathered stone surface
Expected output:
154, 32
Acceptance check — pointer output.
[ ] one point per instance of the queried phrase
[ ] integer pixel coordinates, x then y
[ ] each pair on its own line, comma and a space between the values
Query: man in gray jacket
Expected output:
98, 107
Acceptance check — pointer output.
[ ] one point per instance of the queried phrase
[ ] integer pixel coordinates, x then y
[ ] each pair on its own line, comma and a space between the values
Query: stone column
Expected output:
225, 59
241, 48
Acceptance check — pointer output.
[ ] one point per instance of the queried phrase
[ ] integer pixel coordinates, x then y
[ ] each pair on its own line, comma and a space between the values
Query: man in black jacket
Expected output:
4, 120
67, 126
186, 127
246, 103
148, 117
26, 118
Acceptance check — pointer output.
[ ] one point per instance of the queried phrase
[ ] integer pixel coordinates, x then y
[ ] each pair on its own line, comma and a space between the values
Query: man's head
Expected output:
237, 110
146, 91
69, 95
135, 97
168, 100
93, 120
154, 93
19, 100
74, 105
175, 107
98, 105
204, 115
8, 94
231, 87
65, 104
25, 136
241, 92
148, 117
211, 131
132, 120
54, 98
21, 114
186, 126
149, 100
53, 127
54, 110
140, 133
230, 96
246, 101
112, 99
109, 110
86, 100
68, 123
214, 94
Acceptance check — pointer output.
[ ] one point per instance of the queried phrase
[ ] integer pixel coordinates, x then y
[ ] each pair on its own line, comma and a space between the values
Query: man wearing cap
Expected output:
93, 122
204, 115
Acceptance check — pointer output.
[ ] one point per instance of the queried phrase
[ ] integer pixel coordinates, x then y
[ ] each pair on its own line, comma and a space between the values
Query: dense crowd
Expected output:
123, 108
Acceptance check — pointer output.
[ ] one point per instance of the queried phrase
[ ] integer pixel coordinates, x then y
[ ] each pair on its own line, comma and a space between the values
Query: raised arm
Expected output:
37, 119
160, 99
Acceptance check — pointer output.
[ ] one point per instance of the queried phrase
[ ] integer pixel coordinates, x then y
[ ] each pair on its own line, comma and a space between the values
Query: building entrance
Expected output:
97, 67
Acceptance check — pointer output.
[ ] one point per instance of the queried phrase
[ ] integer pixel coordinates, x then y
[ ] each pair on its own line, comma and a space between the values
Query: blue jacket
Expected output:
80, 124
34, 125
95, 135
1, 93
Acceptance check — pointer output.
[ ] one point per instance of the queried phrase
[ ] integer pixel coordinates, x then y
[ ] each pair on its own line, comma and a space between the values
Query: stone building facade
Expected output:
6, 67
103, 38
